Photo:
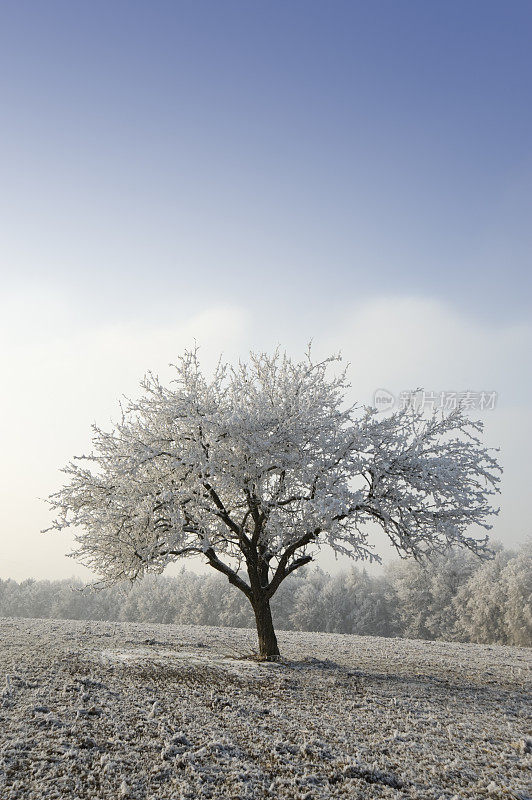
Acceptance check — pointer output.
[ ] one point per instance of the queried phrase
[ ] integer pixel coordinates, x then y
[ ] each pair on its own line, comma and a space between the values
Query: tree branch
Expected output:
299, 562
282, 568
224, 514
226, 570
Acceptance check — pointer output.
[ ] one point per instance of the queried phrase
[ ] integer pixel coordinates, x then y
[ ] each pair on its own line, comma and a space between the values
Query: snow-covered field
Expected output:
105, 710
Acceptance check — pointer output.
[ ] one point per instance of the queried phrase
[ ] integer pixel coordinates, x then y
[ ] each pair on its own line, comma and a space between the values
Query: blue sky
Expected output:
373, 143
252, 173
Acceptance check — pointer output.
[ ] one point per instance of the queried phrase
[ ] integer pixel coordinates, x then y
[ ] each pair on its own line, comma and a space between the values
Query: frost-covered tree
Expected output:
481, 603
257, 467
372, 607
151, 600
517, 577
426, 593
309, 611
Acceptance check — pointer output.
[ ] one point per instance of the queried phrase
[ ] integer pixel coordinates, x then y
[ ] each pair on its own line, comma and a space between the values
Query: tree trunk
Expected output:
268, 648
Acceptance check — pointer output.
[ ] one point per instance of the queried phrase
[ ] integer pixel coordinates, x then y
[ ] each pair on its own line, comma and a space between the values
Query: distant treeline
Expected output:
454, 597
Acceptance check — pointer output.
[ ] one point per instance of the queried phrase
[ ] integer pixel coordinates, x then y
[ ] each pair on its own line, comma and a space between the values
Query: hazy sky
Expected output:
247, 174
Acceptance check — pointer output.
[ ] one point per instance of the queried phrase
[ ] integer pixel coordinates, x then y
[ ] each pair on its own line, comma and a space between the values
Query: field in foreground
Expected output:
105, 710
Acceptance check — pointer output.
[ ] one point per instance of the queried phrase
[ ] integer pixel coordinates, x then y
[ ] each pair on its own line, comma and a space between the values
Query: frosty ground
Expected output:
105, 710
